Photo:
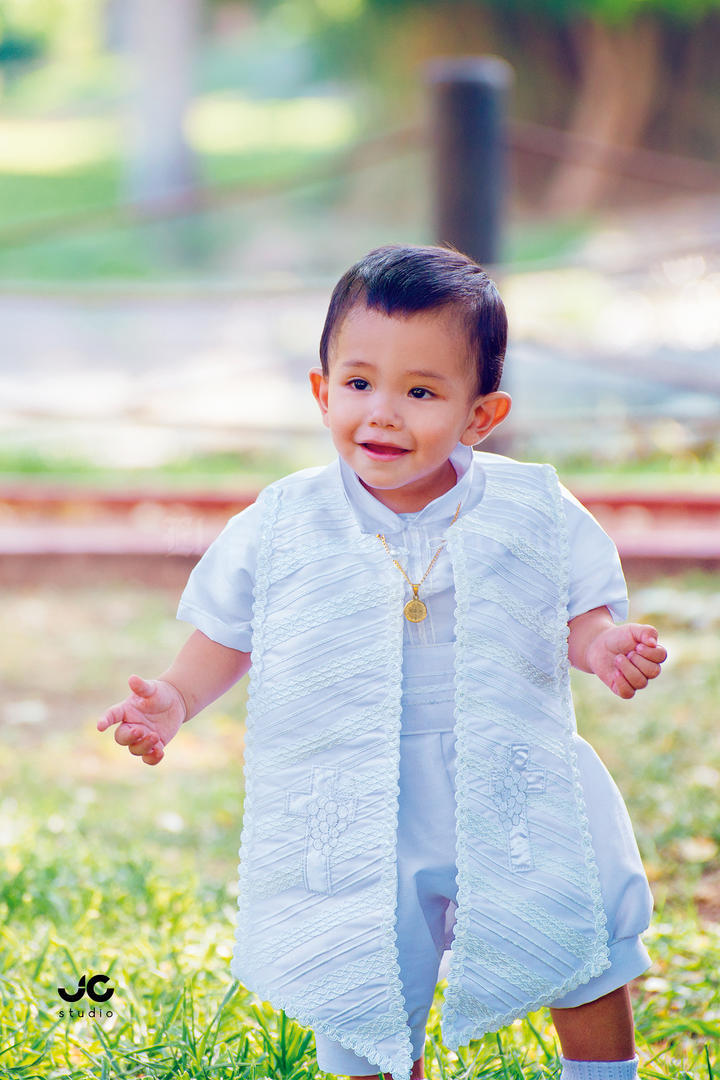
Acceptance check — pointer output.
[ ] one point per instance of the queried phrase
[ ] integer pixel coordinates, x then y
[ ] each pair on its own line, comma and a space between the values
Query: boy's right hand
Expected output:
148, 718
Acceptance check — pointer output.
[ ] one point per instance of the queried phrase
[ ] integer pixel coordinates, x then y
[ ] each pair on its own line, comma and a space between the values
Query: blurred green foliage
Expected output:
315, 15
29, 28
16, 48
316, 12
613, 11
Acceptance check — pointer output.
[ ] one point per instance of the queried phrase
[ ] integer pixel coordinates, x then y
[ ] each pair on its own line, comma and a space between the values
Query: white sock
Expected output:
599, 1070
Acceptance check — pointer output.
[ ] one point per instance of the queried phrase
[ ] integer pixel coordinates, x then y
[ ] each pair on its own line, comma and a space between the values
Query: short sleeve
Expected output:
218, 598
596, 576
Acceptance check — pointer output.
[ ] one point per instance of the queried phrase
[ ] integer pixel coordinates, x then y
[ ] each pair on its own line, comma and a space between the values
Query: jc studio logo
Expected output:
89, 987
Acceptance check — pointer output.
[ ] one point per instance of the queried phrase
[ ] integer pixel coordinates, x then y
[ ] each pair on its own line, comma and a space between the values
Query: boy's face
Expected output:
399, 396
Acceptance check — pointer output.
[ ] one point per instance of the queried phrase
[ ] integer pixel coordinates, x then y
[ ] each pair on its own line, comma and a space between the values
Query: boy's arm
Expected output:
203, 670
624, 657
156, 709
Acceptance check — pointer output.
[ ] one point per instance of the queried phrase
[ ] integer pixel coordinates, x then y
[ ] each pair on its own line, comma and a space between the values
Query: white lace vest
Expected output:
316, 910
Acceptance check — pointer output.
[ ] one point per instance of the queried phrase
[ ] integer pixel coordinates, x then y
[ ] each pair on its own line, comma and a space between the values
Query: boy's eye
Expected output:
421, 392
358, 384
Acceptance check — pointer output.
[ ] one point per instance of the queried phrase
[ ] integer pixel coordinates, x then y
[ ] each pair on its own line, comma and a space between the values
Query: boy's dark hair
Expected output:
405, 280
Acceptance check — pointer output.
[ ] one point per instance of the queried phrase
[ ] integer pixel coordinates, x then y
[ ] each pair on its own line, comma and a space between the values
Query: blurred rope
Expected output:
636, 163
672, 171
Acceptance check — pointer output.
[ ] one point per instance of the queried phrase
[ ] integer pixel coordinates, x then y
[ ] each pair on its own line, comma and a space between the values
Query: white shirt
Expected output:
219, 594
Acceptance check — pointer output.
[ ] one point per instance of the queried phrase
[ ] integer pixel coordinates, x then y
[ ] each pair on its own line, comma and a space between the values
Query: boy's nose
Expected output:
384, 414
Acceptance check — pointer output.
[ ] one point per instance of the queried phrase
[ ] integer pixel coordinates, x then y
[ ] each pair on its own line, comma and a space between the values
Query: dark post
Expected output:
468, 137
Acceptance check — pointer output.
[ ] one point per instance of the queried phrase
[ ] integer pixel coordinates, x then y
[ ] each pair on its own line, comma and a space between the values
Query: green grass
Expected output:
224, 470
536, 241
109, 866
697, 470
31, 198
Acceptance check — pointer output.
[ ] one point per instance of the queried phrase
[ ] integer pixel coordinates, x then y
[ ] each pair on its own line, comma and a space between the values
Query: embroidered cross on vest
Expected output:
512, 785
328, 811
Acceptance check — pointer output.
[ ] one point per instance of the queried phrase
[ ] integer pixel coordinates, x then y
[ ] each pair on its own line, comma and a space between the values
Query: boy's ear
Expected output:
487, 412
319, 387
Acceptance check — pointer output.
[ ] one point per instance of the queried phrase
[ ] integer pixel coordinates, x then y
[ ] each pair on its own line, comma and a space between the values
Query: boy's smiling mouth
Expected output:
384, 451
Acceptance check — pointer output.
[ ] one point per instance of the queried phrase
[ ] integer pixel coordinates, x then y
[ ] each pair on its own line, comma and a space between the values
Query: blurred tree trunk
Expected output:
161, 36
618, 75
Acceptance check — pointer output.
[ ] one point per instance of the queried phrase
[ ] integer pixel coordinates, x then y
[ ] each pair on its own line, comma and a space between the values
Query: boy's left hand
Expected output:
626, 657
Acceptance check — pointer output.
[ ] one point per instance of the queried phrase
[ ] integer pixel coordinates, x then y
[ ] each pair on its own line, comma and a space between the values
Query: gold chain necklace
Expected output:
415, 610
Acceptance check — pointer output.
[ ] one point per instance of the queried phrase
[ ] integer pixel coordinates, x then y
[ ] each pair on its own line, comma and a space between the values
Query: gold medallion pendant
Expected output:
415, 610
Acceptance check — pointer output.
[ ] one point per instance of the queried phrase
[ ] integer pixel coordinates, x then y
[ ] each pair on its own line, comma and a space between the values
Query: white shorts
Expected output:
427, 887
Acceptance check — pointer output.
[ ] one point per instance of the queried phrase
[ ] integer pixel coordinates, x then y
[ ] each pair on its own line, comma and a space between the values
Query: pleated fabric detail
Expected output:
528, 885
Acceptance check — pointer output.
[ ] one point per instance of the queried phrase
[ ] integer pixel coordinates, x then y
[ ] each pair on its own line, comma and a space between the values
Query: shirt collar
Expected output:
374, 516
